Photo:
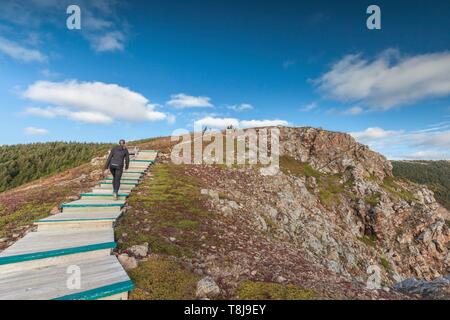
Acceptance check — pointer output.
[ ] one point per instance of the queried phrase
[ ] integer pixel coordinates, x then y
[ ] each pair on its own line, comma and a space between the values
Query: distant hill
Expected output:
435, 174
23, 163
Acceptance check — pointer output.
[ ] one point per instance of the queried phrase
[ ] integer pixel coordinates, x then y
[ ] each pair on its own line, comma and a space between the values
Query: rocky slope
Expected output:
338, 200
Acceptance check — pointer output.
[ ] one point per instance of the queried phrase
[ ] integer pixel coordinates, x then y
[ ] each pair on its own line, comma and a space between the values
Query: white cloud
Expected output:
32, 131
371, 135
49, 74
262, 123
309, 107
109, 42
389, 80
217, 123
223, 123
421, 144
18, 52
426, 155
241, 107
354, 110
92, 102
183, 101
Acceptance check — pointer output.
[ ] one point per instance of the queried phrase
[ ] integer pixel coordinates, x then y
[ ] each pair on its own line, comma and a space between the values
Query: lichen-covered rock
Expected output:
127, 262
207, 288
139, 251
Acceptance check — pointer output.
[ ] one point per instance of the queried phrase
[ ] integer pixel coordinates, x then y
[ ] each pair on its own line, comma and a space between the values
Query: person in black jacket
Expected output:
118, 155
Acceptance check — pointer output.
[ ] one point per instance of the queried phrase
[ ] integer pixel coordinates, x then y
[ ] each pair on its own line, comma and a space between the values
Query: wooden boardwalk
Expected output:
40, 266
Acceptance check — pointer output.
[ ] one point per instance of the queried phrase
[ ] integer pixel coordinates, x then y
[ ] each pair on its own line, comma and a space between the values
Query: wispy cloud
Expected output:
32, 131
102, 23
184, 101
289, 63
429, 144
389, 80
354, 110
18, 52
309, 107
109, 42
91, 102
241, 107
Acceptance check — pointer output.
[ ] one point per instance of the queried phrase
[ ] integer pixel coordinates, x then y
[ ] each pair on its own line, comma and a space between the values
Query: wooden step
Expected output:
102, 196
109, 186
94, 206
99, 190
101, 278
134, 180
122, 182
135, 171
45, 248
78, 220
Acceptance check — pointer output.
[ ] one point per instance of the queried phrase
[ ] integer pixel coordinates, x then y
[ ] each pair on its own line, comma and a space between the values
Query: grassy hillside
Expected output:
20, 164
435, 174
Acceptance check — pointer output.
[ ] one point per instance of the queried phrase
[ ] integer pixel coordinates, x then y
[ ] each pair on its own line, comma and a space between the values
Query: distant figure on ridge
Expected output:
115, 164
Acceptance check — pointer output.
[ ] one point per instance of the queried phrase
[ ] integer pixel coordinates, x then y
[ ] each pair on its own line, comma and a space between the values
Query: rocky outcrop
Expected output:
333, 152
350, 215
438, 289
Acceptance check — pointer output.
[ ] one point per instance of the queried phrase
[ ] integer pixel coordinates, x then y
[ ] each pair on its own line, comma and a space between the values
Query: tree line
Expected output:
434, 174
23, 163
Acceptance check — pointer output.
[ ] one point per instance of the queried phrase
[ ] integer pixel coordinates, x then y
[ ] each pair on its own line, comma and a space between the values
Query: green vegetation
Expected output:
386, 265
16, 212
370, 241
163, 279
251, 290
373, 200
330, 185
297, 168
435, 174
391, 185
168, 205
23, 163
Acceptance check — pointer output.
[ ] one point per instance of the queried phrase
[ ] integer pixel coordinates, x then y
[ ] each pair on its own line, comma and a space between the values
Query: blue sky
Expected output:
140, 69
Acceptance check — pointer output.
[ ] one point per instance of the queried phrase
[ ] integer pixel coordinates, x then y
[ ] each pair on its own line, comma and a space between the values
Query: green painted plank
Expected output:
101, 292
55, 253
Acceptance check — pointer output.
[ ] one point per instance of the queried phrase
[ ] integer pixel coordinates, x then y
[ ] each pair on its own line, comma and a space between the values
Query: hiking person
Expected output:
115, 161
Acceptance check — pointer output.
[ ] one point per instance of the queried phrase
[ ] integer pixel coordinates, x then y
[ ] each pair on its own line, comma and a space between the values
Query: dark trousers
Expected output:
117, 175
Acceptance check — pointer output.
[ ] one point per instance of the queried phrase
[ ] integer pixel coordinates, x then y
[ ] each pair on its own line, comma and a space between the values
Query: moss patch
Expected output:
391, 185
330, 185
386, 265
373, 200
289, 165
163, 279
369, 241
251, 290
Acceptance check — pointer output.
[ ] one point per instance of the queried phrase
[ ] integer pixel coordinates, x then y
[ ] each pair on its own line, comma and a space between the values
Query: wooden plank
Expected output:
42, 245
99, 190
100, 277
81, 216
